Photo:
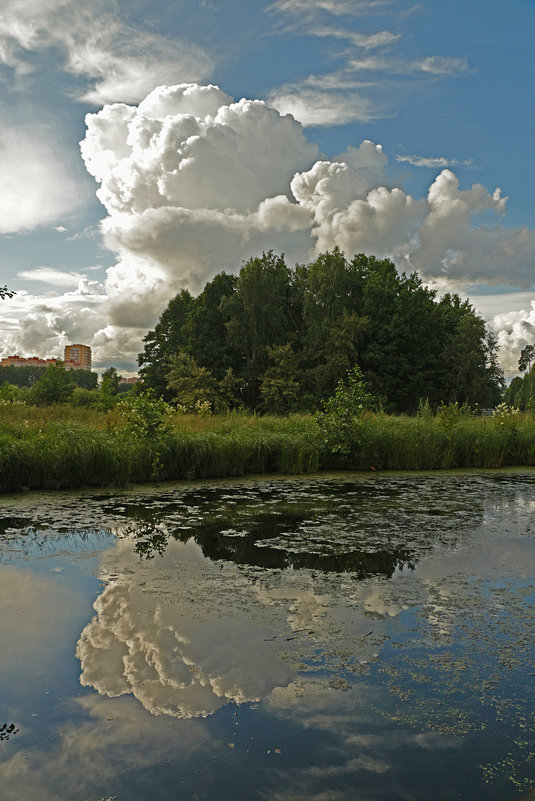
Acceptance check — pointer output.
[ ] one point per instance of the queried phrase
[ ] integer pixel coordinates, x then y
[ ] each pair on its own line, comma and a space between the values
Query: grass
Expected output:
64, 446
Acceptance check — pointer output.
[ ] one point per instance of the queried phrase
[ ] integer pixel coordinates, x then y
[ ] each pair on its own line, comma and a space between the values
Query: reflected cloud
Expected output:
35, 610
105, 738
183, 649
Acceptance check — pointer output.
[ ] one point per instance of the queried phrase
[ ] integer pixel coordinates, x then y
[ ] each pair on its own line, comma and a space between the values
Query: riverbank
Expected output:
62, 446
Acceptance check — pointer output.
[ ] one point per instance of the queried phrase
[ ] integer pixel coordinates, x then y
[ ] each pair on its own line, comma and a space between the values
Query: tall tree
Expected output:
259, 315
205, 327
168, 337
280, 382
526, 357
332, 324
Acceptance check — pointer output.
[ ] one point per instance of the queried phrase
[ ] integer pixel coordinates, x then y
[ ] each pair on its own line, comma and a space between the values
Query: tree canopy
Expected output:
289, 336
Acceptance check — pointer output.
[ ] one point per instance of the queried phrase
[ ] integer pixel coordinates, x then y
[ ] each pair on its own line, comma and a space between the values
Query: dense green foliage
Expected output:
65, 446
278, 340
27, 376
521, 392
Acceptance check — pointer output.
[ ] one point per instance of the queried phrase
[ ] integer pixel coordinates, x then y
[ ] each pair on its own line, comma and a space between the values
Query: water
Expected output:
333, 639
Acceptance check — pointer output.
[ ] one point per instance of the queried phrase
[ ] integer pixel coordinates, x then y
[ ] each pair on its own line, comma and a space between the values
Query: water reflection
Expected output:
366, 638
363, 528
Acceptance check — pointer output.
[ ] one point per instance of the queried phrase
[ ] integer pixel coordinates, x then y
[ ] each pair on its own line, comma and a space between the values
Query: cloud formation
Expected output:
37, 188
194, 183
121, 61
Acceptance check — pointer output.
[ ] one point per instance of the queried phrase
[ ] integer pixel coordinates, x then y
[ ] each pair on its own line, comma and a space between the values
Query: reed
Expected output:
65, 446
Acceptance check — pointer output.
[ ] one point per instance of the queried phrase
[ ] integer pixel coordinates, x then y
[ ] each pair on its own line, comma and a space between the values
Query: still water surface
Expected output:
340, 638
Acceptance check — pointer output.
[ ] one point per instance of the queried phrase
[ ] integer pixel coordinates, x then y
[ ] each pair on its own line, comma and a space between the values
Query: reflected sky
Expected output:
330, 638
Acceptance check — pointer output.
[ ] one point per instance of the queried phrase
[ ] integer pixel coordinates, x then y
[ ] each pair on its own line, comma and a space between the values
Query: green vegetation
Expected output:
26, 377
278, 340
521, 391
143, 440
344, 350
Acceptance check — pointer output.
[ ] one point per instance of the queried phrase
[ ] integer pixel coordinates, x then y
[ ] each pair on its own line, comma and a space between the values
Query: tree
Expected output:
332, 327
280, 384
6, 293
108, 389
56, 386
190, 384
229, 390
205, 330
168, 337
259, 315
338, 420
526, 357
276, 329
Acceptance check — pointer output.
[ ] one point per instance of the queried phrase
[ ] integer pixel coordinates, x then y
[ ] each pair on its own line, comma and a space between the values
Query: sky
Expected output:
146, 145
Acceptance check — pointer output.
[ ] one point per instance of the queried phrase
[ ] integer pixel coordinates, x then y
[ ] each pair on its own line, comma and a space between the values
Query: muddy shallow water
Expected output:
338, 637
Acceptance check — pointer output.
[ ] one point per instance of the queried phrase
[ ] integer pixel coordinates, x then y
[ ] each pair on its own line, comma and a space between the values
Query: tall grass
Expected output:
64, 446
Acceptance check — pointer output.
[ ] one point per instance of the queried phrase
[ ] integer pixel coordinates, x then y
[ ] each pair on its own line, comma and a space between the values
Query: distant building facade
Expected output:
77, 357
31, 361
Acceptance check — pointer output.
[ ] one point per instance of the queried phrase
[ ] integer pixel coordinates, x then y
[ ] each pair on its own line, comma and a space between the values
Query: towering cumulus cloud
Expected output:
194, 183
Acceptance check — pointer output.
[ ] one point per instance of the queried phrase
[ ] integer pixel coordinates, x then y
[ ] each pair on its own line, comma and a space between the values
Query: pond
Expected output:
343, 637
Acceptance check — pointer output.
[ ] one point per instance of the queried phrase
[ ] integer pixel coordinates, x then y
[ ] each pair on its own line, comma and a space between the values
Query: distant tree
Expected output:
86, 379
526, 357
12, 392
88, 398
513, 393
56, 386
111, 378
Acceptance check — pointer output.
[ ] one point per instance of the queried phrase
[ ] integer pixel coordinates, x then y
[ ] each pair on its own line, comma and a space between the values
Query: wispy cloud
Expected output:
335, 7
439, 162
317, 107
440, 65
336, 98
123, 61
366, 41
53, 276
432, 65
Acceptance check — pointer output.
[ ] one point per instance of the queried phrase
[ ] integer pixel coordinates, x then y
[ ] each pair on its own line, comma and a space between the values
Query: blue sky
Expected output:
444, 91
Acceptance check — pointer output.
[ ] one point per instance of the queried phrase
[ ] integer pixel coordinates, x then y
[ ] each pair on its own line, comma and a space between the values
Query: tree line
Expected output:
277, 339
521, 391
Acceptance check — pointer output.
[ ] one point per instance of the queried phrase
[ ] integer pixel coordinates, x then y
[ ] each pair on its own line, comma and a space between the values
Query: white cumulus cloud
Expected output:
194, 183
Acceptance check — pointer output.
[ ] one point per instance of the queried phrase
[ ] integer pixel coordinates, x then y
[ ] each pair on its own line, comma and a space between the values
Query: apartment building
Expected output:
77, 357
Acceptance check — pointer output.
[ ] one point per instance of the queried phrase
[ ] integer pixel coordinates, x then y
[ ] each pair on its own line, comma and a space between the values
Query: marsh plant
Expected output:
144, 415
145, 439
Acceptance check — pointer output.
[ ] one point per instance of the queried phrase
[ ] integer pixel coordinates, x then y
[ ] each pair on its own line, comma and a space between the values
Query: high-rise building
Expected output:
78, 356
